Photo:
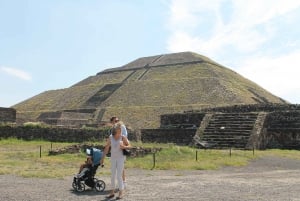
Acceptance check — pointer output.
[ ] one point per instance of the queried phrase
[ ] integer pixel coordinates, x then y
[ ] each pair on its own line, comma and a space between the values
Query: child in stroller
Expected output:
87, 171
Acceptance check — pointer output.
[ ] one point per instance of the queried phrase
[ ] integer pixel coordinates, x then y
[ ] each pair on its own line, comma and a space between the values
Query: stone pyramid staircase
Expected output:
229, 130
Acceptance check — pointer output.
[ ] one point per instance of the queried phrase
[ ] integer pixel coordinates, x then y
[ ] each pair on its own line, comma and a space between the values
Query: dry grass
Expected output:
179, 158
22, 158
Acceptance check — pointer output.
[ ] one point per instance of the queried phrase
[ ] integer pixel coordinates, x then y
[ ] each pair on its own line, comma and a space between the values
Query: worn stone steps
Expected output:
229, 129
234, 121
218, 134
215, 135
233, 118
229, 143
228, 123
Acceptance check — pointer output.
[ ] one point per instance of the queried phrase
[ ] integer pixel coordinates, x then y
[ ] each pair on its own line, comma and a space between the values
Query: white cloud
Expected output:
245, 33
16, 73
257, 12
279, 75
187, 14
239, 32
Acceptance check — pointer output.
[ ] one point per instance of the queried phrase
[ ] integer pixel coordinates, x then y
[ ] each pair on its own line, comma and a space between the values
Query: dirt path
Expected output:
264, 179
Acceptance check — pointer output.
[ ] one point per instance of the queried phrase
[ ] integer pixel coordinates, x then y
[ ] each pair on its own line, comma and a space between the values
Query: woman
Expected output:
117, 142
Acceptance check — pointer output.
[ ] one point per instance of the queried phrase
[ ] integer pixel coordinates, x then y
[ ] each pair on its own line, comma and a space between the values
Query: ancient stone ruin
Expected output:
7, 115
183, 98
259, 126
141, 91
243, 126
77, 148
68, 118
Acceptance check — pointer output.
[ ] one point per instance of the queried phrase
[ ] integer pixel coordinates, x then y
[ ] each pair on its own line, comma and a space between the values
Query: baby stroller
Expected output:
87, 176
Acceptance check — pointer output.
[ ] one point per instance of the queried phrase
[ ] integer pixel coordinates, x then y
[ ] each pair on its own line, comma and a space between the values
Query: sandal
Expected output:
119, 198
110, 196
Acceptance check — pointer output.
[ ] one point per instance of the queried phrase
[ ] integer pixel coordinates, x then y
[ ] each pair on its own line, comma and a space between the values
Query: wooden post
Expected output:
153, 161
196, 155
40, 151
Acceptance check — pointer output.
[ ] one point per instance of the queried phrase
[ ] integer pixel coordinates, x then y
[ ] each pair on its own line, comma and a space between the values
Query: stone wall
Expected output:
50, 118
181, 120
7, 115
177, 136
52, 134
68, 118
280, 127
282, 130
56, 134
250, 108
135, 151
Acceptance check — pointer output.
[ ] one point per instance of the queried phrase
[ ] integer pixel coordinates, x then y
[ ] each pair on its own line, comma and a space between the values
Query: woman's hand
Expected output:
122, 146
125, 143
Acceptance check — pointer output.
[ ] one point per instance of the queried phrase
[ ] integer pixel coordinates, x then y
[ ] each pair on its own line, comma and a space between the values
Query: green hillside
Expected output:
139, 92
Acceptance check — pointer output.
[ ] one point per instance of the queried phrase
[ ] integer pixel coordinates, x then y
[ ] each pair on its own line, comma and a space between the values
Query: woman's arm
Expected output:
126, 143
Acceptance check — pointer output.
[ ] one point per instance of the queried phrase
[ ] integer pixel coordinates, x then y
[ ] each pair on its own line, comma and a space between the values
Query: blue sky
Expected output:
53, 44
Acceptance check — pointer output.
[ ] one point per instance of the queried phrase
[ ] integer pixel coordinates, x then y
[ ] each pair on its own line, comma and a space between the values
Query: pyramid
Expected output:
143, 90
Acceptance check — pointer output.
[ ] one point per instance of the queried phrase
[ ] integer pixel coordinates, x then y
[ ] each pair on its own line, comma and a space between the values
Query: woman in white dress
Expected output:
117, 142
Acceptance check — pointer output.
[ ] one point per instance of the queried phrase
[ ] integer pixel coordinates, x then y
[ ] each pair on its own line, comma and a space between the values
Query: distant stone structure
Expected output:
56, 134
51, 134
174, 98
141, 91
186, 120
179, 136
242, 126
68, 118
7, 115
259, 126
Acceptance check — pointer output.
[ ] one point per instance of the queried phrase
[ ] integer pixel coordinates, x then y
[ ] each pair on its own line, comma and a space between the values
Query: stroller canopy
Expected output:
96, 154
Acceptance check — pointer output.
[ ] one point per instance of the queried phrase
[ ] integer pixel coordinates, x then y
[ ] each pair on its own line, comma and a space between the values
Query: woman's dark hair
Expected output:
113, 118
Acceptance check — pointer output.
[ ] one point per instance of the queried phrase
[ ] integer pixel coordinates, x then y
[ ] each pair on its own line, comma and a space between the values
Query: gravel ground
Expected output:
264, 179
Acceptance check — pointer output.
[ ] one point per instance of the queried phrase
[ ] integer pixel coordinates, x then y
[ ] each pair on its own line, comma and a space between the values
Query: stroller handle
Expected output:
101, 165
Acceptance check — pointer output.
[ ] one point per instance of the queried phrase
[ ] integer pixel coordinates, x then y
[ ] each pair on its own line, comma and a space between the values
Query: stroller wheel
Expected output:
79, 186
99, 185
74, 185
